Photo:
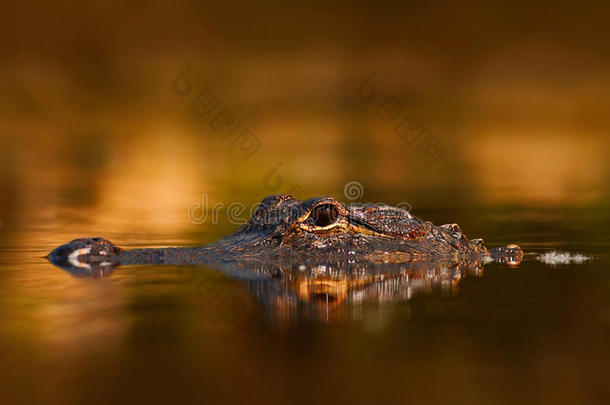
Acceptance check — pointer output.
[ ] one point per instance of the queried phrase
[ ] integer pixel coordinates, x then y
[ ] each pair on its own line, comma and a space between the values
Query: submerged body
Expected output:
285, 231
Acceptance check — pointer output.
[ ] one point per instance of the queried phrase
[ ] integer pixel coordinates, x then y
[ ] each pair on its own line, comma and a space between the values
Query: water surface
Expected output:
532, 332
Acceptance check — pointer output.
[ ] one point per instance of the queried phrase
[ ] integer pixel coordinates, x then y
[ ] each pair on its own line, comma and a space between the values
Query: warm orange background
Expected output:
517, 93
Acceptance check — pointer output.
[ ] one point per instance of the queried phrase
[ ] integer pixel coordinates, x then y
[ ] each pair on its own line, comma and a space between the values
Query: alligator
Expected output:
285, 232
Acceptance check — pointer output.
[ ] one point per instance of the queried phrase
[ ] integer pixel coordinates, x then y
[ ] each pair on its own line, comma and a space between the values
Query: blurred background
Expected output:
116, 117
516, 93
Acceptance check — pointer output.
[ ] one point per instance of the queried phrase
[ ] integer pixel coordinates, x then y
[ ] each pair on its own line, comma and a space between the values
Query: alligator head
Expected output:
318, 230
283, 226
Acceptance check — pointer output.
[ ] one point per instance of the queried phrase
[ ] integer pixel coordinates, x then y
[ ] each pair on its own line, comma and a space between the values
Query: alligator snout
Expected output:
86, 256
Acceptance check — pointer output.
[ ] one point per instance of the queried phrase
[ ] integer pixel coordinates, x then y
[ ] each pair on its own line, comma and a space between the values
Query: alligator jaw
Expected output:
98, 257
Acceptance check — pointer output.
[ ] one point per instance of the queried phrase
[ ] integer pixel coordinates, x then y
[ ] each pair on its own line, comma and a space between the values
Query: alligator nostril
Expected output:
97, 239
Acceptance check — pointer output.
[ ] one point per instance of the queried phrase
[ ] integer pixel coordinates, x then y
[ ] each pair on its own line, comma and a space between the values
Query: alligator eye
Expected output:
324, 215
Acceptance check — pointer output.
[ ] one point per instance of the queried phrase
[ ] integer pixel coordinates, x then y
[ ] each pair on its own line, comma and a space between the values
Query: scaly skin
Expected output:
285, 231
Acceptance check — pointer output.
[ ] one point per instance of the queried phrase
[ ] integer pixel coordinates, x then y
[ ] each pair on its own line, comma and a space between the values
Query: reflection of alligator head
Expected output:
339, 291
284, 231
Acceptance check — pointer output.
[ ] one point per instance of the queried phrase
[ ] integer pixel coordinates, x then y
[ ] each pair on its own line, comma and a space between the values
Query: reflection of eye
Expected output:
323, 297
325, 214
